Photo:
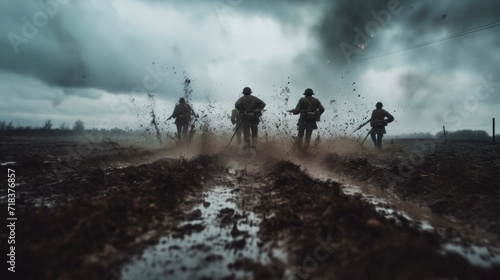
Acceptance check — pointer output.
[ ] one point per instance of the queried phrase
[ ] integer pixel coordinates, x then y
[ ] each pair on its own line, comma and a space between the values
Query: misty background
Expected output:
111, 63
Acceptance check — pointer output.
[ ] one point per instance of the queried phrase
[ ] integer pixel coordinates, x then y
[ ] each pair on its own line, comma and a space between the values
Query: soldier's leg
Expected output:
255, 134
246, 134
379, 141
179, 130
238, 136
184, 131
308, 137
374, 138
299, 137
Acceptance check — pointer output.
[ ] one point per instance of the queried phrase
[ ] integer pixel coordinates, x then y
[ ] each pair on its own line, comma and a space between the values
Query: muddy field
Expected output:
125, 210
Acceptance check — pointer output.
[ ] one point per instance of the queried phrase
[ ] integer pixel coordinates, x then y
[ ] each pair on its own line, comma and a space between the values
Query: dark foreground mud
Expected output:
120, 213
330, 235
460, 180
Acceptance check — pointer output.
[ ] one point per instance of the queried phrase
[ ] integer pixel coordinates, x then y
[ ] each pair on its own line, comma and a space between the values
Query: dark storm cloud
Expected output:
72, 44
38, 45
340, 24
347, 22
56, 54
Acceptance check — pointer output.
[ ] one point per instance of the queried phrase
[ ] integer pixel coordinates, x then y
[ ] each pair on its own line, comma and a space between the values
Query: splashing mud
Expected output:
154, 124
188, 91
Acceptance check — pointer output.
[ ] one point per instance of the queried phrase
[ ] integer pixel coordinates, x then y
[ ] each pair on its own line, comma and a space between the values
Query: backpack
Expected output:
378, 123
378, 119
186, 113
311, 113
250, 116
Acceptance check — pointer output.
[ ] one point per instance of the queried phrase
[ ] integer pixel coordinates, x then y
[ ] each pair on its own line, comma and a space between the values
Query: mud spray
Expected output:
154, 122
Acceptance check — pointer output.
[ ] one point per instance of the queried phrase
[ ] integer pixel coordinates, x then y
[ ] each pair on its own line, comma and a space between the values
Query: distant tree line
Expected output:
6, 126
77, 126
465, 134
415, 135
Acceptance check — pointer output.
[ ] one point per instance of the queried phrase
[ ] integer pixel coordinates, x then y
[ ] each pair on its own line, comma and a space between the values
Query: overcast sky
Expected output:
431, 63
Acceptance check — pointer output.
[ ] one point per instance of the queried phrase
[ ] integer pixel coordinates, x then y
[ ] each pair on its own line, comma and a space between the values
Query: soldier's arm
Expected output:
321, 109
262, 104
372, 118
175, 113
234, 116
389, 117
259, 104
298, 108
237, 105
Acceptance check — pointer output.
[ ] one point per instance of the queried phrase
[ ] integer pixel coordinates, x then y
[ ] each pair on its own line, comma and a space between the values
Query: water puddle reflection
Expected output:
478, 255
217, 234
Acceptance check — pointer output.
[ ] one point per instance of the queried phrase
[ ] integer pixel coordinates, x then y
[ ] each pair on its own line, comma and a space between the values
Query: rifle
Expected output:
359, 127
240, 121
366, 136
235, 131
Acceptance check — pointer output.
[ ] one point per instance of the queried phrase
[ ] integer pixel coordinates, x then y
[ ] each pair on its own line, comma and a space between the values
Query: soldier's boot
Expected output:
298, 143
254, 143
306, 146
379, 143
374, 139
307, 142
246, 146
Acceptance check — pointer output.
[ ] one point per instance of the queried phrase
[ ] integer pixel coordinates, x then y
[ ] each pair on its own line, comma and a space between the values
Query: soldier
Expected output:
250, 108
182, 115
310, 110
380, 118
235, 120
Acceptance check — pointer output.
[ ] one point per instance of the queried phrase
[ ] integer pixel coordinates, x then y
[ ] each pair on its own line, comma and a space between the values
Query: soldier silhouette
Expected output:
310, 110
378, 121
182, 115
250, 108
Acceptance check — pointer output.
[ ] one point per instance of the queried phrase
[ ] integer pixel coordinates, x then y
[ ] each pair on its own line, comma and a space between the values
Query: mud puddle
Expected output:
481, 256
387, 203
476, 249
477, 246
217, 235
392, 208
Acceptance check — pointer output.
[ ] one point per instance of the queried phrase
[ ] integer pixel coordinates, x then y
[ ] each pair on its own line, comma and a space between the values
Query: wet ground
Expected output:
129, 212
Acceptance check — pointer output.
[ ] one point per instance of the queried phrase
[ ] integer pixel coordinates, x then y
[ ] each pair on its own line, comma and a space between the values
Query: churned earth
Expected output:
106, 209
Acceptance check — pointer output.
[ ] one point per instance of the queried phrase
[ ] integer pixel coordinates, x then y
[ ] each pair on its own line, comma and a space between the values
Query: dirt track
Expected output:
265, 218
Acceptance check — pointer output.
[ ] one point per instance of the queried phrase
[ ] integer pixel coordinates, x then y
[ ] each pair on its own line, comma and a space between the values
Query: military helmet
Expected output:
182, 100
247, 90
379, 105
308, 91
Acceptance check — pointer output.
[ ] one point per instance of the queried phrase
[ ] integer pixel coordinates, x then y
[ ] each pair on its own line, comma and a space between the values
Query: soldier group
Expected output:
248, 110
